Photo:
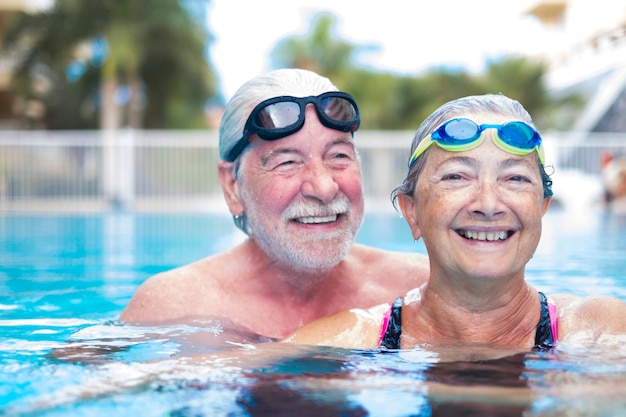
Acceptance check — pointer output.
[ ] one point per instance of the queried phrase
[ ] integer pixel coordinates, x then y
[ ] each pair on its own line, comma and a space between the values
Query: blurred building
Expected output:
8, 101
585, 49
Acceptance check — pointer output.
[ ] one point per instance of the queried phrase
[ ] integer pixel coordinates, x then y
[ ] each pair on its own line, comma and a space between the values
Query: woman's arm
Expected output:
591, 319
351, 329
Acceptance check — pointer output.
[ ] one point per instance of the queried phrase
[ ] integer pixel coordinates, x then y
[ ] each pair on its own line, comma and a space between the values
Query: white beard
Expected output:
304, 251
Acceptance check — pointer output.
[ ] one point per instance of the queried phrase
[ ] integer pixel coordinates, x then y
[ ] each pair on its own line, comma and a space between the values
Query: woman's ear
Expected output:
407, 206
228, 178
546, 205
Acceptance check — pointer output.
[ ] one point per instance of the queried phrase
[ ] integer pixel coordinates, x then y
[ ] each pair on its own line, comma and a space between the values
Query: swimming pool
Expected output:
65, 279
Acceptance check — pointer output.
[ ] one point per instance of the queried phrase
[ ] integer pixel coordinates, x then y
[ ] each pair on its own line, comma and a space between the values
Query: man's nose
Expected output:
319, 182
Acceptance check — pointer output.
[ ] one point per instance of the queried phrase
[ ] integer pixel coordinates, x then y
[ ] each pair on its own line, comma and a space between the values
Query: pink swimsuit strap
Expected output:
385, 324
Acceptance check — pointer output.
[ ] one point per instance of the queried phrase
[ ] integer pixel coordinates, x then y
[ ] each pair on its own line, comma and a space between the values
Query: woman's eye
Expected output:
452, 177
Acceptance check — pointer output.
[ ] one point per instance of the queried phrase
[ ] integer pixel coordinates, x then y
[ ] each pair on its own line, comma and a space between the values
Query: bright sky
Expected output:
410, 35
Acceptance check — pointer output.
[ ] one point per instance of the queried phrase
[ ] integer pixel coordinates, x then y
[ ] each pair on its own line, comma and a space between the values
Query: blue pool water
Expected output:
64, 280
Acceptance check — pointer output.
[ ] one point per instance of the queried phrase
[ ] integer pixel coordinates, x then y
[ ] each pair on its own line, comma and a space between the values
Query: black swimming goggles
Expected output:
282, 116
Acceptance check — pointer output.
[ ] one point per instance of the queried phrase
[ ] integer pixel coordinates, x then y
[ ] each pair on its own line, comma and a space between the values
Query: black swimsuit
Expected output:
544, 337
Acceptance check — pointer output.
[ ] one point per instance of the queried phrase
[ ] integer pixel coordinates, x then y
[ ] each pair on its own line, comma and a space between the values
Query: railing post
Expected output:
126, 168
118, 166
108, 165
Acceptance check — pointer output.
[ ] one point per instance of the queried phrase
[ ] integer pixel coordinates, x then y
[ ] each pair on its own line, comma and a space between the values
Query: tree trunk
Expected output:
109, 111
135, 102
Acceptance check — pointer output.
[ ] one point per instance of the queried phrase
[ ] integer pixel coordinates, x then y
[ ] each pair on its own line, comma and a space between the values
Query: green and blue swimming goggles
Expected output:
458, 135
282, 116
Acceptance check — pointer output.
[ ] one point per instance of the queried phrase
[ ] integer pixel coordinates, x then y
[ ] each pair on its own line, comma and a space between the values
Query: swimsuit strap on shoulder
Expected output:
392, 326
554, 319
385, 325
545, 335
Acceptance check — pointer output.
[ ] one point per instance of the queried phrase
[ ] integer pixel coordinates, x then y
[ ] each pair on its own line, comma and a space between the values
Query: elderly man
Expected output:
291, 178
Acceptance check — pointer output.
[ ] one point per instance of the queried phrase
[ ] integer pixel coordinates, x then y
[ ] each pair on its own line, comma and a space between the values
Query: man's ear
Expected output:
407, 206
230, 187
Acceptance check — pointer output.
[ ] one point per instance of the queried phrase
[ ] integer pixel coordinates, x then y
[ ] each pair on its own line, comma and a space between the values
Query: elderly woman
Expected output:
477, 198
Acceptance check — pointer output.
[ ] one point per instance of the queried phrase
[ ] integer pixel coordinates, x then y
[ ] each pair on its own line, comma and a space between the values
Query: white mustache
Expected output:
339, 205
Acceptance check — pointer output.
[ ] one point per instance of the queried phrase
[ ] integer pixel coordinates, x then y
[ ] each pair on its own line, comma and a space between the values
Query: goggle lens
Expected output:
518, 134
457, 132
276, 116
339, 109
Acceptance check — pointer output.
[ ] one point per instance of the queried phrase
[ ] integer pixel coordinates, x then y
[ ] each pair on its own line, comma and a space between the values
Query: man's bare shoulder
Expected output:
187, 290
187, 276
382, 255
408, 265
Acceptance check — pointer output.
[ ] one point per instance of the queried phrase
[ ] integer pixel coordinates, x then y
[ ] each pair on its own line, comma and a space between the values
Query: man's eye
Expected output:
519, 178
284, 164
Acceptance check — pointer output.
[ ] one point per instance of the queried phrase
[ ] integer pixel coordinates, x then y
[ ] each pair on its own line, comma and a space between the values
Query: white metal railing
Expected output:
73, 171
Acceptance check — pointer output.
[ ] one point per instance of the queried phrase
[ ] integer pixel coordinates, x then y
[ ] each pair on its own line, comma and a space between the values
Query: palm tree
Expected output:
320, 50
147, 57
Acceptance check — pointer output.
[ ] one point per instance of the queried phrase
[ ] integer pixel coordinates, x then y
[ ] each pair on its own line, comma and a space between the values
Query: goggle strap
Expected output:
237, 150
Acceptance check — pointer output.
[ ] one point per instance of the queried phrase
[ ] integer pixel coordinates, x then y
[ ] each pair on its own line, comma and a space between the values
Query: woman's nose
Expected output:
487, 201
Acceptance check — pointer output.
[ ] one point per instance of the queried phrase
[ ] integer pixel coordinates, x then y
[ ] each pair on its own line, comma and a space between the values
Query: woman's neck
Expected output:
488, 316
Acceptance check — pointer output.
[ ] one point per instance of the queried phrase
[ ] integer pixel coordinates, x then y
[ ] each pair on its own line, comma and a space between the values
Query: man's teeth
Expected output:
309, 220
484, 235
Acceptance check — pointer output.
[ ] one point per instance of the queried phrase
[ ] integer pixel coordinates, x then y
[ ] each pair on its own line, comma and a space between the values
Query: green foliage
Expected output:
155, 47
390, 101
522, 80
320, 51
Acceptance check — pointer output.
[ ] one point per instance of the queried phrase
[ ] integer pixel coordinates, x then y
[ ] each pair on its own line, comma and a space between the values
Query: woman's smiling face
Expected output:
479, 211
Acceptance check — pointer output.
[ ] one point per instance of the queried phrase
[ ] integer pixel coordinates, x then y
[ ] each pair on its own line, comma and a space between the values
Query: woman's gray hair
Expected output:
282, 82
488, 103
